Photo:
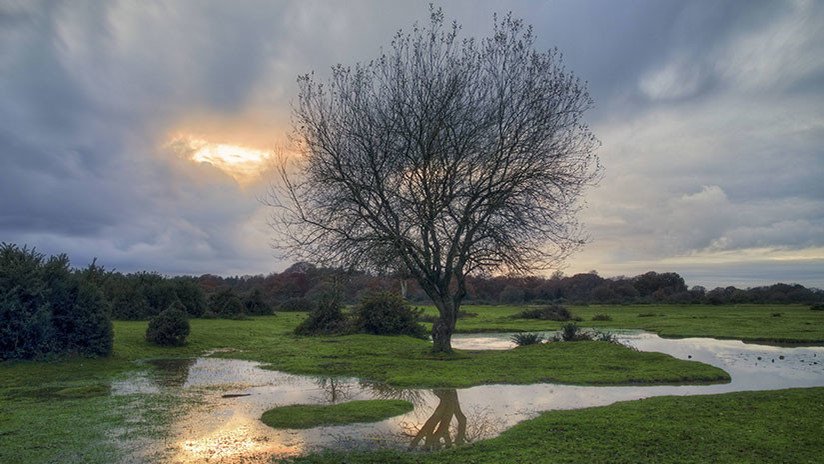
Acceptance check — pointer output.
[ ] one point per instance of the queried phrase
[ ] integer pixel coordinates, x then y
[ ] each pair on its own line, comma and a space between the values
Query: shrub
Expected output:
608, 337
46, 308
170, 327
226, 304
546, 313
570, 332
85, 327
817, 307
297, 304
326, 319
255, 305
523, 339
776, 314
602, 317
387, 313
191, 295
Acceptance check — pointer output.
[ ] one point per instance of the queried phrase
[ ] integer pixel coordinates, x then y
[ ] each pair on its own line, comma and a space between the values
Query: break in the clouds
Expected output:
137, 132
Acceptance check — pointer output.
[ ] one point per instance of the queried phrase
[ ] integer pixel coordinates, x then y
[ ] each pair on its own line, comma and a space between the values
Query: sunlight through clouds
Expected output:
244, 164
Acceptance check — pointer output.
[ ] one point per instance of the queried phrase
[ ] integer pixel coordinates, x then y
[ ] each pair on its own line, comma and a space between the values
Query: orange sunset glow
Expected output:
241, 162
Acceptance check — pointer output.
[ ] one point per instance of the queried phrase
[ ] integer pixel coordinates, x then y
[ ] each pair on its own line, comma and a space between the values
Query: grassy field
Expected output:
748, 427
755, 323
61, 411
408, 362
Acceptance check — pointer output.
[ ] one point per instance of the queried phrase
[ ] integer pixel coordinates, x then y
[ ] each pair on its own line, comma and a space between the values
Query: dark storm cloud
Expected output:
709, 113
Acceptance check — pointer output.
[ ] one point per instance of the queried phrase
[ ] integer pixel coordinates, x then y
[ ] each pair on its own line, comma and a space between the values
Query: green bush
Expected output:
817, 307
297, 305
546, 313
387, 313
46, 308
602, 317
227, 305
254, 304
326, 319
524, 339
83, 326
191, 295
170, 327
570, 332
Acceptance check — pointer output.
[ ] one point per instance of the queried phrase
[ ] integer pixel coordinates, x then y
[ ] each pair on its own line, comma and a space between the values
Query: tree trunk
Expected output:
441, 336
443, 327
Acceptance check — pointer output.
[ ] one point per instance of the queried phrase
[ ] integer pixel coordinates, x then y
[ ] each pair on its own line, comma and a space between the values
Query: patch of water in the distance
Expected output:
224, 427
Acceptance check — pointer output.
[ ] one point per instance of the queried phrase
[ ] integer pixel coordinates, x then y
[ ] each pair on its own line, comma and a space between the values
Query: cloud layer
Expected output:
710, 115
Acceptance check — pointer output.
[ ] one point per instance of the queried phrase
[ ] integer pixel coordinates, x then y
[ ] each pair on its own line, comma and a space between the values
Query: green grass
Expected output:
60, 411
408, 362
304, 416
755, 323
747, 427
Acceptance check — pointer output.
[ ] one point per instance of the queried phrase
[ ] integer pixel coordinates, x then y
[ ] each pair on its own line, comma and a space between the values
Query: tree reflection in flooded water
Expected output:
217, 417
437, 432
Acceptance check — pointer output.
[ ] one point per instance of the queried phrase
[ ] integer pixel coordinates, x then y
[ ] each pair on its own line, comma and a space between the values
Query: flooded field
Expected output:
221, 422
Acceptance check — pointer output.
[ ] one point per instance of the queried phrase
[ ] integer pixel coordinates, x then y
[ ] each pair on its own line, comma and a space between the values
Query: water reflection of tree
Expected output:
435, 432
448, 425
333, 390
171, 372
383, 391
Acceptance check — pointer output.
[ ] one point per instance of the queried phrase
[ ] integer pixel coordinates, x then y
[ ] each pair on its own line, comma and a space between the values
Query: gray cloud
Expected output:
709, 113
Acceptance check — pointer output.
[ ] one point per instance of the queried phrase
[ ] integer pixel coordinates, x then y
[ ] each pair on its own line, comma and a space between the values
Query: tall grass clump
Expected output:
524, 339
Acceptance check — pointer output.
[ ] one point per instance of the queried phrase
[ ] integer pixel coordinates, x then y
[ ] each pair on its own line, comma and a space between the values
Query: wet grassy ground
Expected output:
61, 411
761, 323
746, 427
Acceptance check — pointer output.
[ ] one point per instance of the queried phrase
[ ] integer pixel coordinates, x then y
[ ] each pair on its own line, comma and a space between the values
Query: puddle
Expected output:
224, 425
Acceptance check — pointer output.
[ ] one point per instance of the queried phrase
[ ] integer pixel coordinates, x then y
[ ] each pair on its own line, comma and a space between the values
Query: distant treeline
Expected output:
303, 280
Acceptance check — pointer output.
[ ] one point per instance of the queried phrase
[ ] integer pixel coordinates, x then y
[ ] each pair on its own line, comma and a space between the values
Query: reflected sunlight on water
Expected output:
221, 429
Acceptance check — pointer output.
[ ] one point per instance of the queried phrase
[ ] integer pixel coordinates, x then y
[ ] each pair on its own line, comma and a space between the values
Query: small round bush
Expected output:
387, 313
169, 328
817, 307
546, 313
602, 317
326, 319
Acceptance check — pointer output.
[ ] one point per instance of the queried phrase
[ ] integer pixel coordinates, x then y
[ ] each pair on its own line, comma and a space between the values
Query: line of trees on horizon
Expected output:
305, 280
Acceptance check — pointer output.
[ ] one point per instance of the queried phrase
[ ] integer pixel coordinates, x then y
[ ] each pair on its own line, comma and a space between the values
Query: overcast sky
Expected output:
710, 114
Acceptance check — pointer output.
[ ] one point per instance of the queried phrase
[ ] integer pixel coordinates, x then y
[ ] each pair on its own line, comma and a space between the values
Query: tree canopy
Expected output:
444, 156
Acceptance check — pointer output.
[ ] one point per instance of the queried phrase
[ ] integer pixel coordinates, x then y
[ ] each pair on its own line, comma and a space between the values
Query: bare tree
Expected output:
449, 155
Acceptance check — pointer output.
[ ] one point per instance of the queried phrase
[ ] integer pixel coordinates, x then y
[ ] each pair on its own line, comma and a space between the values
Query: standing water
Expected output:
223, 424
